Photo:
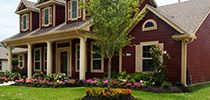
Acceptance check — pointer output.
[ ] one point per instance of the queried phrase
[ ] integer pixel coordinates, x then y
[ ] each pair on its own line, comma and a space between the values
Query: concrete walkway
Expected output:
7, 84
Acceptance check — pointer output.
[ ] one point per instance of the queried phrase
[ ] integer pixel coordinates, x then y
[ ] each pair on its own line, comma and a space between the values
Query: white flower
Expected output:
165, 52
141, 81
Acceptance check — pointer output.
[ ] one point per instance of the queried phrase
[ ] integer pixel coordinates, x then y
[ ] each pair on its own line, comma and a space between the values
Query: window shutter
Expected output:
69, 9
50, 15
43, 14
139, 58
27, 21
79, 9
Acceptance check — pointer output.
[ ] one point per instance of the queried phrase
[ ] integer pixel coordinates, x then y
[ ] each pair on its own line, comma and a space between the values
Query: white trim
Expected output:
77, 59
45, 60
149, 28
72, 19
102, 62
69, 51
21, 61
22, 22
40, 61
50, 12
139, 54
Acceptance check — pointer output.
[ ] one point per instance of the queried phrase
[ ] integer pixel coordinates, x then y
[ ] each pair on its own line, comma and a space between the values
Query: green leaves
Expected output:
110, 19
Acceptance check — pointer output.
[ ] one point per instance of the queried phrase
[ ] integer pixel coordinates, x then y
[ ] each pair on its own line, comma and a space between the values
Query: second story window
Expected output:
47, 16
74, 11
25, 22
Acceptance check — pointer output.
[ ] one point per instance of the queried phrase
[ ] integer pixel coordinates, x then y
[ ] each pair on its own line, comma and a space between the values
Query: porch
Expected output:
52, 52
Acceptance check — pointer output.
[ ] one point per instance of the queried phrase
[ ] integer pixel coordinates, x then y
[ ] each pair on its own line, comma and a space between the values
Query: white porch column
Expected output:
9, 59
49, 57
82, 70
29, 70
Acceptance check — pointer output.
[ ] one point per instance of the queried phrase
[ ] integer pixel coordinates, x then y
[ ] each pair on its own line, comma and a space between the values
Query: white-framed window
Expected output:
149, 25
21, 64
47, 16
97, 61
77, 57
45, 58
37, 59
144, 61
74, 10
24, 22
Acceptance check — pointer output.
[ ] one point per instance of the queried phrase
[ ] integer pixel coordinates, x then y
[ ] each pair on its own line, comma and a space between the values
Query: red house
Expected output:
50, 30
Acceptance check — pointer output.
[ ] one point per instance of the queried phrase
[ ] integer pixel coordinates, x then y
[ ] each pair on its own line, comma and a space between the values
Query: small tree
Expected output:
160, 59
110, 19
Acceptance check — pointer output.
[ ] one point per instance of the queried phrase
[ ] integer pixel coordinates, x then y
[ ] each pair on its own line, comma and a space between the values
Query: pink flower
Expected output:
129, 84
105, 81
89, 81
138, 84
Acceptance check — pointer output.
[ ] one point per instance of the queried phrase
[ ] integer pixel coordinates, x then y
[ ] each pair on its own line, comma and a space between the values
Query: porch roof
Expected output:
49, 33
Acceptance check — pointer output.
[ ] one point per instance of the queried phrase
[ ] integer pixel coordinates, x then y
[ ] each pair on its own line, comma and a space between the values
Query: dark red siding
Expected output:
198, 54
35, 20
60, 14
163, 35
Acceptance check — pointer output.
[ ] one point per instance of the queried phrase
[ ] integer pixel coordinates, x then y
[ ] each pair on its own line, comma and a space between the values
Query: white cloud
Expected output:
9, 21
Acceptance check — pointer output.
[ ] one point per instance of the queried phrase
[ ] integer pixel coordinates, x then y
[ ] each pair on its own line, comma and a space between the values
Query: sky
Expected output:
9, 21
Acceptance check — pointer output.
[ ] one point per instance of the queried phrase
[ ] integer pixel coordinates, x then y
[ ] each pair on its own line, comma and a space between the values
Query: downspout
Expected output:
185, 40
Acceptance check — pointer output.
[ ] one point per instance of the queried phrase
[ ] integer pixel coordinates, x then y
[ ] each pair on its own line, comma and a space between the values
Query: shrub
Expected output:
160, 59
108, 94
39, 75
166, 84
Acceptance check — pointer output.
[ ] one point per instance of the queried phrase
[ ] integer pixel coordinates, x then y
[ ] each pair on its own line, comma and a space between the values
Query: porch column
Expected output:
49, 57
9, 59
29, 69
82, 71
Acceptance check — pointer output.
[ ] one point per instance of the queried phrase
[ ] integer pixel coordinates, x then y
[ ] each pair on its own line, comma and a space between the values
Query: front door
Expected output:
64, 62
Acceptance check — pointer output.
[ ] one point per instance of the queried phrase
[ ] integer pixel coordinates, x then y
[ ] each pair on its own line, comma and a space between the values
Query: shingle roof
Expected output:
60, 27
187, 15
28, 4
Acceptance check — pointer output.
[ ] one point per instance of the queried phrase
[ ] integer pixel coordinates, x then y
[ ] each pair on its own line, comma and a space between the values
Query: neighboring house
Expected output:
3, 59
51, 30
18, 53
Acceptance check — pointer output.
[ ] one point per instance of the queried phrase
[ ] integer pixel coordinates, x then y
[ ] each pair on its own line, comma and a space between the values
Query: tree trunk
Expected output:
109, 67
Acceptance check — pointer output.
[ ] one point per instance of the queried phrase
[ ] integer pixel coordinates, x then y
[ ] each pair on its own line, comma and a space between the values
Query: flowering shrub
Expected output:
8, 76
111, 94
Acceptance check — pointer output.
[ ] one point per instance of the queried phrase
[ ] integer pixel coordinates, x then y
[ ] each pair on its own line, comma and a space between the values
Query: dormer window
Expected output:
25, 22
47, 16
149, 25
74, 11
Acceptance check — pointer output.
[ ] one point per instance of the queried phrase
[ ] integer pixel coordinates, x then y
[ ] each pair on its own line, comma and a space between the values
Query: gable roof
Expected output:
30, 5
188, 15
59, 1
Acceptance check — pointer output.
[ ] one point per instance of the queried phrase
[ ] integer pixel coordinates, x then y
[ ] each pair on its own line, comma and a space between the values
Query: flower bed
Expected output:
60, 80
109, 94
8, 76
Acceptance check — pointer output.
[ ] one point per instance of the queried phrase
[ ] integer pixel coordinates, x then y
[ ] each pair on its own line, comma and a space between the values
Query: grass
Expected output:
200, 92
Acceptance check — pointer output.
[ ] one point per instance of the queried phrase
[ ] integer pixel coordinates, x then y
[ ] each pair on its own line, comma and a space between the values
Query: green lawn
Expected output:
201, 92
